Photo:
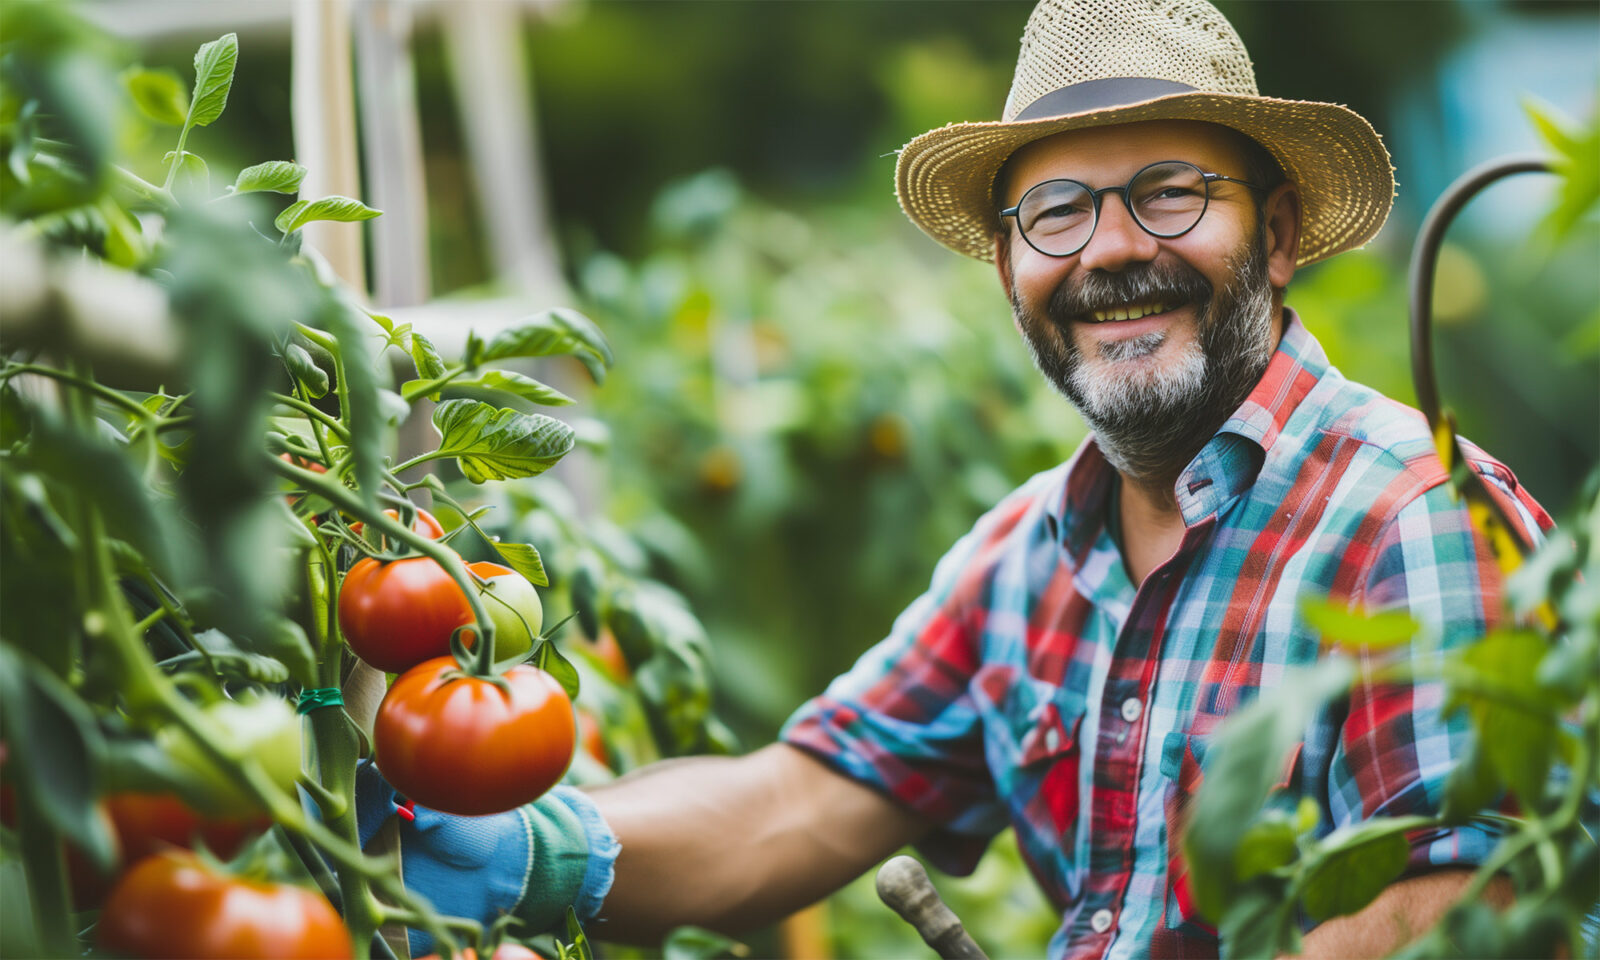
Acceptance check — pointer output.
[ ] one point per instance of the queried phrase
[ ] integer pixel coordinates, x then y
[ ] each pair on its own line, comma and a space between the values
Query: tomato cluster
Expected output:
448, 740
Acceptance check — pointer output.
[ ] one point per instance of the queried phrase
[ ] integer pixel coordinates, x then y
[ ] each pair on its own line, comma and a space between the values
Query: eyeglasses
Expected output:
1166, 199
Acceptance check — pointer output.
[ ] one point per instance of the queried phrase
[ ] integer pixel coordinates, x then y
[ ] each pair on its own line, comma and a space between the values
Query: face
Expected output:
1155, 341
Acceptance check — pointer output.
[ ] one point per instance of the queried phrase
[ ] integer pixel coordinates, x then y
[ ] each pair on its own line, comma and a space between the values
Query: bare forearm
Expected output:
731, 843
1400, 914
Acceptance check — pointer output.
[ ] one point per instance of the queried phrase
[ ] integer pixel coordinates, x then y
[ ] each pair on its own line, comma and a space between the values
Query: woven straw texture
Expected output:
945, 178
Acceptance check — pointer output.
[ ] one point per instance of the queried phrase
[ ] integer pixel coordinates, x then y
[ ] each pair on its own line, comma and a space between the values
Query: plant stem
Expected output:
82, 383
315, 414
47, 878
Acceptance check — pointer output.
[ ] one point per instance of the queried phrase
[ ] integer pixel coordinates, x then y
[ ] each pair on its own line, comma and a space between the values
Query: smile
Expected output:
1132, 312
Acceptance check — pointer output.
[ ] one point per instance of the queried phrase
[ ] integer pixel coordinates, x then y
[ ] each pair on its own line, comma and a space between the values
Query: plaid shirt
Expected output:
1034, 686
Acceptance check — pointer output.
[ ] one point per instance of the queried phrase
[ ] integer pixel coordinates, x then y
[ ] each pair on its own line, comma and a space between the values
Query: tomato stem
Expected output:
43, 860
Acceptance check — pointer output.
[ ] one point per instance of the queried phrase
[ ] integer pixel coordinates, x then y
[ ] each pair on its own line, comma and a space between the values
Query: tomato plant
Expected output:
148, 823
466, 745
399, 613
513, 605
174, 905
424, 523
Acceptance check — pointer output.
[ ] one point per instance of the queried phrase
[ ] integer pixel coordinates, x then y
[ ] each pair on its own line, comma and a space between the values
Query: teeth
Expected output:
1130, 313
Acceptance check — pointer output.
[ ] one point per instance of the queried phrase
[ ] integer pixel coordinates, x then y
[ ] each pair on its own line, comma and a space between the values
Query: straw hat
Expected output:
1089, 63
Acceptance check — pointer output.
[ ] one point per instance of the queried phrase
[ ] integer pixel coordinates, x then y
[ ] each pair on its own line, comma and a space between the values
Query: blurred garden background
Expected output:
811, 400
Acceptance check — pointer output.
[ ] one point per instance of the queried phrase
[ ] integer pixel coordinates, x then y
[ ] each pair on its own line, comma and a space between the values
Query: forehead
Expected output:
1104, 155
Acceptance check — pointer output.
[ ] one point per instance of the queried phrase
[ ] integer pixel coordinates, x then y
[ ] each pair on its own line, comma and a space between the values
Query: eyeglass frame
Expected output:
1094, 198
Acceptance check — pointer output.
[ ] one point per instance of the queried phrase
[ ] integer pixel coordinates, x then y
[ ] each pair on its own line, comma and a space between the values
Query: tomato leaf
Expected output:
158, 94
547, 658
274, 176
58, 752
341, 209
426, 357
554, 332
579, 939
1503, 697
524, 558
213, 78
522, 387
1361, 861
698, 943
195, 172
1471, 786
312, 377
1266, 846
1338, 624
499, 444
1260, 922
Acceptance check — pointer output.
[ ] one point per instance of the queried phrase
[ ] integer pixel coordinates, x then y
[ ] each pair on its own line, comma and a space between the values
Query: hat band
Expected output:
1100, 94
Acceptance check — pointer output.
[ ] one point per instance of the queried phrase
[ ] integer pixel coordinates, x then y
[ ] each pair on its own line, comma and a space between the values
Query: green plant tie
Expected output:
318, 698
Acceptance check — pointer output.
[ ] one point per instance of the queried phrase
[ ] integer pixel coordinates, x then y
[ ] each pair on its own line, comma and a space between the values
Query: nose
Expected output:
1118, 240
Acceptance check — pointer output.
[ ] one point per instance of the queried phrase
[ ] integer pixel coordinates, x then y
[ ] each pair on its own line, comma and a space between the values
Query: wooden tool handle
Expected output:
904, 885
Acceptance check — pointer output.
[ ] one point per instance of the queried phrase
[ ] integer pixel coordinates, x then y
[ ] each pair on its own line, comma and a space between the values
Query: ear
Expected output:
1002, 260
1281, 220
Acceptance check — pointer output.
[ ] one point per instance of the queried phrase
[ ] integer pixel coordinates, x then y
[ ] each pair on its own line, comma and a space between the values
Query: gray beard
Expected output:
1151, 420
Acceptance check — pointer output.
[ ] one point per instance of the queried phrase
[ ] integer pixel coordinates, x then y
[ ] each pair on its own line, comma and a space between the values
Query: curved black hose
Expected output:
1425, 255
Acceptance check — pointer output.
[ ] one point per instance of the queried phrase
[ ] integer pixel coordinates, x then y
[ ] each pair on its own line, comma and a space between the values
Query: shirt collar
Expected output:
1224, 469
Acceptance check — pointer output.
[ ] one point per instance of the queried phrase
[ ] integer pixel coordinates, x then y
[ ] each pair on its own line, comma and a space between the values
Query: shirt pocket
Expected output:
1183, 763
1045, 788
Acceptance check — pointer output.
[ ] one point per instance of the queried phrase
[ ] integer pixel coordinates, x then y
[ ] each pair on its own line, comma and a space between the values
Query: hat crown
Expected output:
1068, 42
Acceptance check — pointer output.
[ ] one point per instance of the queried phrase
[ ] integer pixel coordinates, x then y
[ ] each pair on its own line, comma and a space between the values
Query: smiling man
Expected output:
1146, 210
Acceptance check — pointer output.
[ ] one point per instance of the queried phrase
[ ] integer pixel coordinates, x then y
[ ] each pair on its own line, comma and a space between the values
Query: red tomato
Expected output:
462, 745
303, 463
397, 614
609, 653
148, 823
425, 524
174, 905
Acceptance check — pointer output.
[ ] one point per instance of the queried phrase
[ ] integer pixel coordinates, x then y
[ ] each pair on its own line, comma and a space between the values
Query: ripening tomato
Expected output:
397, 614
263, 727
513, 604
148, 823
462, 745
174, 905
591, 739
424, 524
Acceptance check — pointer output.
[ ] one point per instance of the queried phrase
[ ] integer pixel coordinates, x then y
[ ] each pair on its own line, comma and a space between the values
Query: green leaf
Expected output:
312, 377
158, 94
1244, 760
1515, 716
1259, 922
274, 176
507, 381
1578, 165
552, 333
1339, 624
579, 939
341, 209
213, 77
525, 559
1471, 787
56, 753
426, 357
194, 170
1266, 846
698, 943
550, 660
1359, 863
501, 444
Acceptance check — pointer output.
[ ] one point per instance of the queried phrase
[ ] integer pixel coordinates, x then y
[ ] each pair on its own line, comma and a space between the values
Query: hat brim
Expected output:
944, 179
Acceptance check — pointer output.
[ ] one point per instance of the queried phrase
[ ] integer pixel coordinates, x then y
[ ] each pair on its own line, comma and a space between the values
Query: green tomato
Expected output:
263, 728
513, 604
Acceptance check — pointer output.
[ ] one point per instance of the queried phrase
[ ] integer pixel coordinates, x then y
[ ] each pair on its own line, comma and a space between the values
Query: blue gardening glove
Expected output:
530, 862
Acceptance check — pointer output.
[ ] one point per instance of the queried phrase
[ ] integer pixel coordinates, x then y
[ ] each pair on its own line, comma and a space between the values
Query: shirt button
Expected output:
1101, 921
1131, 708
1052, 739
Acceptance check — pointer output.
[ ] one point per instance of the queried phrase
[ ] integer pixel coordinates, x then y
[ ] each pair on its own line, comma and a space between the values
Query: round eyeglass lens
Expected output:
1168, 198
1057, 216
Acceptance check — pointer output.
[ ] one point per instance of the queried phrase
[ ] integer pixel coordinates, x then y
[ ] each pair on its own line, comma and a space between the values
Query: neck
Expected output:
1152, 527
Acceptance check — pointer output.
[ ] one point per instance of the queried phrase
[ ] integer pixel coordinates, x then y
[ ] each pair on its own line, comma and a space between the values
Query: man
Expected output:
1146, 210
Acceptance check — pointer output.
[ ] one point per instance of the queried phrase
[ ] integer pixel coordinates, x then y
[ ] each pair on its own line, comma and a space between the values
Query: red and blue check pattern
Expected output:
1034, 686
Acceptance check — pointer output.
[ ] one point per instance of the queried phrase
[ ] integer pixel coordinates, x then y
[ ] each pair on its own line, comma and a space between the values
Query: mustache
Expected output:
1172, 282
